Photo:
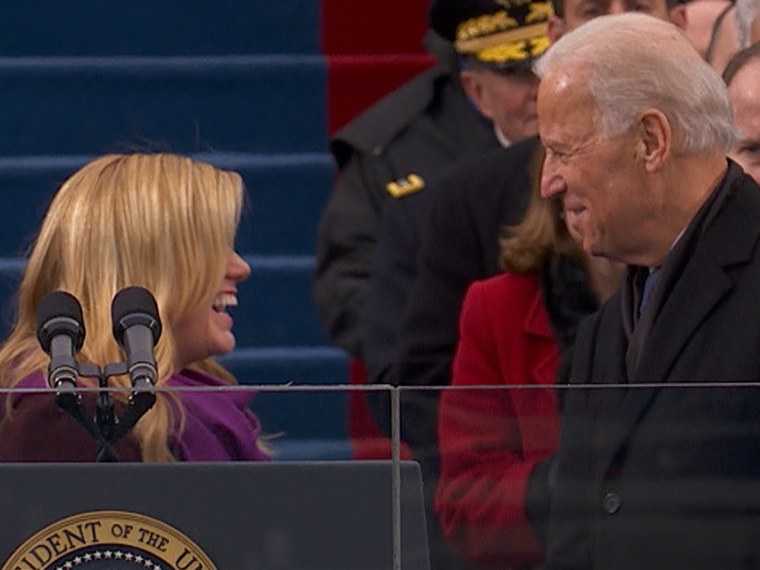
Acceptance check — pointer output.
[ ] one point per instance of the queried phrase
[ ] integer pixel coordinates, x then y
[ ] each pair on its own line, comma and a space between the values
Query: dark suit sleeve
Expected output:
393, 273
459, 244
450, 258
345, 241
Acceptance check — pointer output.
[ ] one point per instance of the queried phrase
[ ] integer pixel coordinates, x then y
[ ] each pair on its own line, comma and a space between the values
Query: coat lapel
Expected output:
537, 325
702, 286
611, 400
707, 277
627, 405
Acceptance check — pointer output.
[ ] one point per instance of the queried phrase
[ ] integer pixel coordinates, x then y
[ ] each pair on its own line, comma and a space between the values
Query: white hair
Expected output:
634, 62
746, 12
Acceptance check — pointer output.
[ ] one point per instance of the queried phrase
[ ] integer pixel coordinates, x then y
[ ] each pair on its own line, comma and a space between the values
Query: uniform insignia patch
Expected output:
405, 186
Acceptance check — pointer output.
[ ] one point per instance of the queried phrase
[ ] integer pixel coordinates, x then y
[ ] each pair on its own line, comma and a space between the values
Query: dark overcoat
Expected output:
661, 472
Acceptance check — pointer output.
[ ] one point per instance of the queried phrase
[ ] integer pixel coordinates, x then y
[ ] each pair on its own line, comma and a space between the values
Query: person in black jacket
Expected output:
481, 96
493, 189
742, 76
397, 146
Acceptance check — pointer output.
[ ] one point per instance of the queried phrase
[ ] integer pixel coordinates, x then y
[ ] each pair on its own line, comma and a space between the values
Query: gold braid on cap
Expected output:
485, 25
517, 51
500, 37
539, 12
518, 36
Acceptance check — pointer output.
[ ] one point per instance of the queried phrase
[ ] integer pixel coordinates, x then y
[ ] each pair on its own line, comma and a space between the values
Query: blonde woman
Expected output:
159, 221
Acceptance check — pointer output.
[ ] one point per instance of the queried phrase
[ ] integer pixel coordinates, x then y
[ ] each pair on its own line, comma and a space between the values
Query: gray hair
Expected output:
633, 62
746, 12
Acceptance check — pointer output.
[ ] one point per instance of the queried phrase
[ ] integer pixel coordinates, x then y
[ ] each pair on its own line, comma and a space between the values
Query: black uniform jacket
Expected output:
416, 131
460, 244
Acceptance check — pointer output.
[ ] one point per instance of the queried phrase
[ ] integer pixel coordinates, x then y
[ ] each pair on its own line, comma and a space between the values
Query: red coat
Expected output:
492, 439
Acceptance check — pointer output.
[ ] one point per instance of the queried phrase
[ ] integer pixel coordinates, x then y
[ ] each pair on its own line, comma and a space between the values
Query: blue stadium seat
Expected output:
285, 194
168, 27
86, 105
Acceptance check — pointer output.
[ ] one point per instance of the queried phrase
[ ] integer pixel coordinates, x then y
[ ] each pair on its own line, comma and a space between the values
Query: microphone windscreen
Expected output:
140, 306
59, 312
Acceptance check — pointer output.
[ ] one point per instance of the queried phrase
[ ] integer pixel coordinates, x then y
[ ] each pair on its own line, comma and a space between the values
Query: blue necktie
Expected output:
648, 287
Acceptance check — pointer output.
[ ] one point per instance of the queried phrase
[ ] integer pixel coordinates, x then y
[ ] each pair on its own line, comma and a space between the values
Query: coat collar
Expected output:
536, 325
536, 320
705, 278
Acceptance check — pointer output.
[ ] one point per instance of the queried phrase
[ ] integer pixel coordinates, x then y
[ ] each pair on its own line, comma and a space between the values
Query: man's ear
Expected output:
655, 139
679, 16
472, 83
556, 27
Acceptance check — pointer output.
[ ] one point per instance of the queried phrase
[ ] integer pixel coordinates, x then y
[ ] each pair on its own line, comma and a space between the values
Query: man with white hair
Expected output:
718, 29
748, 22
742, 76
659, 455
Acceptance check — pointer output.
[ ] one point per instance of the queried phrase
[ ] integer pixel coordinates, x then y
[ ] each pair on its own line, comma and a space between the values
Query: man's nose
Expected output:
617, 7
552, 183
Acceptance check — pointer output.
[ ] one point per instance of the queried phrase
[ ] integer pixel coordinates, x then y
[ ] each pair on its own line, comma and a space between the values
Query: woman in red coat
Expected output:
497, 440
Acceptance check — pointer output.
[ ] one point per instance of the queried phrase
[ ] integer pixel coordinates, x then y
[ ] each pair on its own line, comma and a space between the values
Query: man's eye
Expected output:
557, 154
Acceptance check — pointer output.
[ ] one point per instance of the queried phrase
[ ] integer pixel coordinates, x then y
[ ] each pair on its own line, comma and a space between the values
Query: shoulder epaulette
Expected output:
405, 186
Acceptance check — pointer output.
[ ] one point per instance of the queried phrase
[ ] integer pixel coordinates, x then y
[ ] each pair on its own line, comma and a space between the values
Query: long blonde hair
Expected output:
160, 221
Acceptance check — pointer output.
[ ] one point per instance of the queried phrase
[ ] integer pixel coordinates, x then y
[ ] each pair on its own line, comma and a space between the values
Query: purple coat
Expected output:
218, 426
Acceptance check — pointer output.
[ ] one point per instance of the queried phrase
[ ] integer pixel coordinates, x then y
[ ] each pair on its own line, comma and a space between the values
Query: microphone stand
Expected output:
105, 427
140, 401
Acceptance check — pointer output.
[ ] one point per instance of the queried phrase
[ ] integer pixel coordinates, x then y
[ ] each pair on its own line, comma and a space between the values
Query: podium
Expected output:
194, 516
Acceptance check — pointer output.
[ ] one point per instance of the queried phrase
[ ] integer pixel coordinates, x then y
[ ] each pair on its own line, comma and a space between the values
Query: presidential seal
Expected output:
112, 540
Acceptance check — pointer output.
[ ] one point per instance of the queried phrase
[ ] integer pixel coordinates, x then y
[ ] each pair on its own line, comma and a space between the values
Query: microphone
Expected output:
60, 331
137, 328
